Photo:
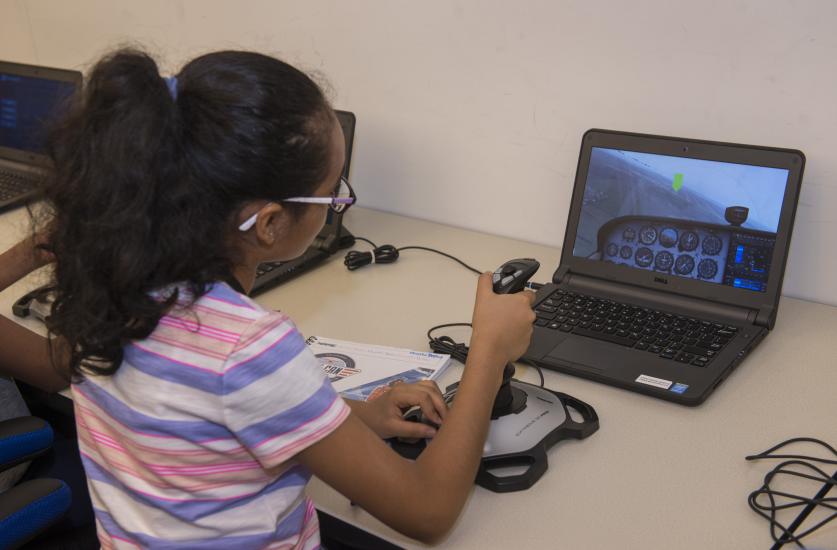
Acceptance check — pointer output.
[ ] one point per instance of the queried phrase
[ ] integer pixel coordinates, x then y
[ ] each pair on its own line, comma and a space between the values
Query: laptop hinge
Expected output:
326, 241
663, 300
766, 317
560, 274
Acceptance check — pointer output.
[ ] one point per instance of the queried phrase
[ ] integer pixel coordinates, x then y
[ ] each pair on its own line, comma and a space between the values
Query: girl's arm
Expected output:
383, 415
422, 499
20, 260
25, 355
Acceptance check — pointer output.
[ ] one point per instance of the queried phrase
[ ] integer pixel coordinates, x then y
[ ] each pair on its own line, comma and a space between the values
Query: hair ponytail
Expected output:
111, 156
146, 182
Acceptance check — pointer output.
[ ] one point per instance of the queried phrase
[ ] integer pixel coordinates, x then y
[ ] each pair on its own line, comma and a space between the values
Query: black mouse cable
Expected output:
769, 511
459, 351
387, 254
537, 368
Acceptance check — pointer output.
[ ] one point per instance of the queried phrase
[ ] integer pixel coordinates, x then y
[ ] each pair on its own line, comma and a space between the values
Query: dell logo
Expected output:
662, 280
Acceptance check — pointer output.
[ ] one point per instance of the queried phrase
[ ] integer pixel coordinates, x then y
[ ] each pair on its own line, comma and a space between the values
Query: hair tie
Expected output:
171, 82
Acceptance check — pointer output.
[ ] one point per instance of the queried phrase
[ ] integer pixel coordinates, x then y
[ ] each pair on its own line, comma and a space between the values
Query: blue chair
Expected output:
30, 508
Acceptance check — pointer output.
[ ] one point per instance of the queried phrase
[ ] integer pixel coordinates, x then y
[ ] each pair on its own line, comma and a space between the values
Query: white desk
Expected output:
655, 475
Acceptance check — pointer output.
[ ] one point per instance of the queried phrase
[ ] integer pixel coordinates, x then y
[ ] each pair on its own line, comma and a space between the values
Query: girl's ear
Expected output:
270, 224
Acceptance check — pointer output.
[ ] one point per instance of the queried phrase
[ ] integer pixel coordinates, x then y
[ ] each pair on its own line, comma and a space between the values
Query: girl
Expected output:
200, 414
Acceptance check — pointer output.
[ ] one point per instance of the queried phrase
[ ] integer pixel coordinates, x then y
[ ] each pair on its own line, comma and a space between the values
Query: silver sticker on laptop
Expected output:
651, 381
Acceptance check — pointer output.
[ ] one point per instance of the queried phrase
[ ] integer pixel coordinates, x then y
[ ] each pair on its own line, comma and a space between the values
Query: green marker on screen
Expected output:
677, 184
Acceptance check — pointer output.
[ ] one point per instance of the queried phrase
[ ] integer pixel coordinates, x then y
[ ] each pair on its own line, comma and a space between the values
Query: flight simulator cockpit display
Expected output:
705, 220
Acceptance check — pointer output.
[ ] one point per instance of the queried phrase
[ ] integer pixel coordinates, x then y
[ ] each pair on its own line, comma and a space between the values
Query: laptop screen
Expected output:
699, 219
26, 104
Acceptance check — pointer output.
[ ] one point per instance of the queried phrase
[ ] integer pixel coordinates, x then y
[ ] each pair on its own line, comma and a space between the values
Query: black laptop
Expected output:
672, 264
30, 97
332, 238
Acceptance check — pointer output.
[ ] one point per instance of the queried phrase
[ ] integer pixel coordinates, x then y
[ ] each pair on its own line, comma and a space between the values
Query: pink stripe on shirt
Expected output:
195, 328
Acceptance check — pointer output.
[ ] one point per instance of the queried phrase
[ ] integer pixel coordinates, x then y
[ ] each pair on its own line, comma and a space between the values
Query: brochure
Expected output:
364, 371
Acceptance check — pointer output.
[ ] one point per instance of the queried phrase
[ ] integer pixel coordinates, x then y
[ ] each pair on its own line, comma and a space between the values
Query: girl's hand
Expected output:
502, 322
384, 414
40, 249
32, 253
23, 258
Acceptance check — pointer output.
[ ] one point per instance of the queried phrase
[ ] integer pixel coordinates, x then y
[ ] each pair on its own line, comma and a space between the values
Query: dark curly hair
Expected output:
147, 184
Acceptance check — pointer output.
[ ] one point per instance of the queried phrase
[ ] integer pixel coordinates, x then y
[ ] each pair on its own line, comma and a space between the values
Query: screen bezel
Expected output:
789, 159
334, 221
48, 73
347, 122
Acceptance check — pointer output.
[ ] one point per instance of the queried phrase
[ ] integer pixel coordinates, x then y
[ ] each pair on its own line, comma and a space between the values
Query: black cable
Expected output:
446, 344
767, 453
768, 511
537, 368
365, 240
463, 264
459, 351
387, 254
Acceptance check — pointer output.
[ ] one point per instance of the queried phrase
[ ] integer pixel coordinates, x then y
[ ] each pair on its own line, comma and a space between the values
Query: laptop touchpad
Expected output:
585, 353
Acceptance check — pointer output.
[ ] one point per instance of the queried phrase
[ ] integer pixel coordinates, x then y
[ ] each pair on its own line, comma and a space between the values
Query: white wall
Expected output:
470, 112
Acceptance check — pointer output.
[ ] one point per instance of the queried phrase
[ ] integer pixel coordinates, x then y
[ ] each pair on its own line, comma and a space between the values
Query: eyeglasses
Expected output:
339, 201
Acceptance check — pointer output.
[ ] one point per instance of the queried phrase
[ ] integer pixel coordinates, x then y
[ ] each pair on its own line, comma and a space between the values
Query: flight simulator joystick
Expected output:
526, 420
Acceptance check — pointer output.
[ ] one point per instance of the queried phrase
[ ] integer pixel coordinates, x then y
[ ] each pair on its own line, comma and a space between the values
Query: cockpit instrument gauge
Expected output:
684, 264
711, 245
626, 252
663, 261
647, 235
668, 237
643, 256
707, 269
688, 241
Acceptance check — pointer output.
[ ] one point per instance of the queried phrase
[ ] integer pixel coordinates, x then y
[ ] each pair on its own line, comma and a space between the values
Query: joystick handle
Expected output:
509, 278
509, 400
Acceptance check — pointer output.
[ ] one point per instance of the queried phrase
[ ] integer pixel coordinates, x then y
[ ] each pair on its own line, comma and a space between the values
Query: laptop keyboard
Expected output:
13, 185
677, 337
266, 268
270, 274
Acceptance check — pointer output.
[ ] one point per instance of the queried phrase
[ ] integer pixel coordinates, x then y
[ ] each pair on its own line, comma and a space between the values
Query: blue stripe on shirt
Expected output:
280, 353
195, 508
292, 524
223, 291
277, 355
193, 431
289, 419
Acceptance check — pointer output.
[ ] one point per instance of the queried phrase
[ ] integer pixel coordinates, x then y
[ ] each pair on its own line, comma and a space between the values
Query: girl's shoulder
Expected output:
221, 326
222, 297
221, 305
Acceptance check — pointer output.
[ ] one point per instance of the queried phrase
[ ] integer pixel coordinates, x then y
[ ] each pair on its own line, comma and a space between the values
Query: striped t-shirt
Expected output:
191, 443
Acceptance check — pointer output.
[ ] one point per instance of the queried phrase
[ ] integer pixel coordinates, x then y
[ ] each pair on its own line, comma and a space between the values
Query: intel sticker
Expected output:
679, 388
651, 381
